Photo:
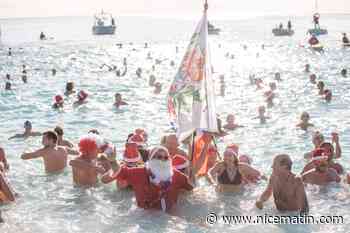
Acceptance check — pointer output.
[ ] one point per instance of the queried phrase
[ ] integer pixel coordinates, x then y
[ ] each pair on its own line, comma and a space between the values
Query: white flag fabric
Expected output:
191, 97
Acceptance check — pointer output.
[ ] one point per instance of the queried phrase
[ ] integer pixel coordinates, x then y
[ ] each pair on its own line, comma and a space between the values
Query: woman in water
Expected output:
304, 121
230, 174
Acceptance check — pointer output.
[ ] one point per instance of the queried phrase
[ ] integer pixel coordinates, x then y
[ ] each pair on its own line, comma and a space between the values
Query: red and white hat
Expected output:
318, 155
59, 99
180, 162
131, 153
82, 95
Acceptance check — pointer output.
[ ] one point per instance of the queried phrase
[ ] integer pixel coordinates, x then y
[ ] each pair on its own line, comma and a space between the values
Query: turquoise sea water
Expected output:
51, 204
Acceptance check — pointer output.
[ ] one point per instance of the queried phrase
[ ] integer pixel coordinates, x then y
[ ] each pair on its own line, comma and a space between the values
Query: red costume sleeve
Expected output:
122, 174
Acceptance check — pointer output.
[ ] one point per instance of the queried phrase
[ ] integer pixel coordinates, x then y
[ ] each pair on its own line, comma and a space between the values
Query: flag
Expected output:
191, 97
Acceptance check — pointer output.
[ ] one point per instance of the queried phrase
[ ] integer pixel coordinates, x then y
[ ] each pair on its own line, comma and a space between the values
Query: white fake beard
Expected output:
162, 170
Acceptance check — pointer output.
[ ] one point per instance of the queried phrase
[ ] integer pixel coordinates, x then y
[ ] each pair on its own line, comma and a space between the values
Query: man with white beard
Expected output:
157, 185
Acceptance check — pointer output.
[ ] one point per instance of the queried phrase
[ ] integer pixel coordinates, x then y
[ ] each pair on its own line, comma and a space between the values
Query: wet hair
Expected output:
94, 131
51, 135
59, 130
69, 86
286, 162
320, 83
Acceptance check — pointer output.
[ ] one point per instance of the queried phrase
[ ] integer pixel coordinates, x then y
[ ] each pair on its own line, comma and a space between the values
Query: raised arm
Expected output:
303, 205
212, 174
16, 136
33, 155
335, 139
109, 176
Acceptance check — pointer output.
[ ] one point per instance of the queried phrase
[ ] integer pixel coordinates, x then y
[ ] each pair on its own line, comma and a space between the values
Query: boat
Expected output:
104, 24
346, 45
212, 30
282, 32
317, 31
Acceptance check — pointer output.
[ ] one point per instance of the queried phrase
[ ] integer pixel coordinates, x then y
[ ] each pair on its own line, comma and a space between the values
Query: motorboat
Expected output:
104, 24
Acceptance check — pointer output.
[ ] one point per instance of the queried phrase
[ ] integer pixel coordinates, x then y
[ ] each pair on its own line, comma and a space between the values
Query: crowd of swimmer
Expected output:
158, 174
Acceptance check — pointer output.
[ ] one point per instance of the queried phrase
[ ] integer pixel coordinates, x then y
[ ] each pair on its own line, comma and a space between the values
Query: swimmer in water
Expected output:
307, 68
304, 123
54, 156
321, 174
261, 116
152, 80
60, 141
58, 102
119, 100
27, 132
344, 73
313, 79
230, 123
287, 188
320, 86
278, 76
69, 88
82, 96
328, 95
157, 88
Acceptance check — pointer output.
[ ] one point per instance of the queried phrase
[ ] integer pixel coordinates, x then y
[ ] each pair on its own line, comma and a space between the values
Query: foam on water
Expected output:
50, 203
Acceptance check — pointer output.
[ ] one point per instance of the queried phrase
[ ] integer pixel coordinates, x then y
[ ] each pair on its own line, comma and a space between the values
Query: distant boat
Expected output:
282, 32
318, 31
212, 30
104, 24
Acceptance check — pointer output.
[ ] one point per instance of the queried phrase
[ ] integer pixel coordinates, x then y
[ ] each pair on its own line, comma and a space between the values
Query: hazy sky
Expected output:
171, 8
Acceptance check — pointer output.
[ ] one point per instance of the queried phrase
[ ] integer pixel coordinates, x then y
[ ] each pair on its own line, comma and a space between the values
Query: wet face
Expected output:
328, 149
171, 142
230, 119
230, 158
282, 164
305, 117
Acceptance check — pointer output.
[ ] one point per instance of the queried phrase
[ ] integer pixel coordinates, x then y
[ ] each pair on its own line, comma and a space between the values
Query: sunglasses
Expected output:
161, 157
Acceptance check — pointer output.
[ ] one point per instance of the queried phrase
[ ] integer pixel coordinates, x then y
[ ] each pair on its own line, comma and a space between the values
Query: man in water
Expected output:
230, 123
158, 184
82, 96
171, 142
287, 189
86, 167
289, 25
344, 73
59, 101
69, 88
345, 39
60, 141
321, 174
304, 123
42, 36
54, 156
307, 68
27, 132
119, 100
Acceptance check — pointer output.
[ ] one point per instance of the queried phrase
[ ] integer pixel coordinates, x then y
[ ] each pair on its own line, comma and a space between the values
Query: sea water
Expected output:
50, 203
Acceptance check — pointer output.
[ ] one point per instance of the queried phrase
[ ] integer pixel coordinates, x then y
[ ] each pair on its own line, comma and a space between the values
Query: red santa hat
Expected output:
58, 99
131, 153
180, 162
318, 155
82, 95
88, 144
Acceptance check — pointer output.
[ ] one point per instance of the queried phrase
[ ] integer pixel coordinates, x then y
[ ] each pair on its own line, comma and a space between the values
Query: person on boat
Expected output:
281, 26
138, 72
42, 36
229, 174
4, 165
69, 88
171, 142
304, 123
344, 73
287, 188
313, 40
157, 88
230, 123
278, 76
328, 95
86, 167
158, 184
53, 71
82, 96
316, 19
54, 156
9, 52
289, 25
313, 79
345, 39
307, 68
112, 22
24, 74
60, 140
59, 101
320, 86
118, 100
321, 174
27, 132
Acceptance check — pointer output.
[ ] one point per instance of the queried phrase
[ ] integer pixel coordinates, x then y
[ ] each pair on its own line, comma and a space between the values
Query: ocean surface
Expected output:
50, 203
